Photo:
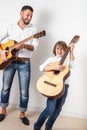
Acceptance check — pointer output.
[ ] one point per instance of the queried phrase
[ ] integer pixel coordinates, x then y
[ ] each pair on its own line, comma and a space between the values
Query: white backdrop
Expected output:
61, 20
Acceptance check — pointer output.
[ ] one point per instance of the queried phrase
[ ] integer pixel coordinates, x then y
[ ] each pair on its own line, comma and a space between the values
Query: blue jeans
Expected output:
52, 110
23, 69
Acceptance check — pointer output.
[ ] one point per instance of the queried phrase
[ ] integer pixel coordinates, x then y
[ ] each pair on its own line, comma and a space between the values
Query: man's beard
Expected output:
24, 21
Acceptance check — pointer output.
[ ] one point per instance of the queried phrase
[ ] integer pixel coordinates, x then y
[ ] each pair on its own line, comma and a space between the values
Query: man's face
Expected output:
26, 16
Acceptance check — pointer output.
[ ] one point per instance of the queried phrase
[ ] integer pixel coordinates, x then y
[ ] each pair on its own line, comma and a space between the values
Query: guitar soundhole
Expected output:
7, 48
56, 72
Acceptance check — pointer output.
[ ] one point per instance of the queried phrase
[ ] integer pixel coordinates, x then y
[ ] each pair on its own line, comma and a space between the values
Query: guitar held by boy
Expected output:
51, 84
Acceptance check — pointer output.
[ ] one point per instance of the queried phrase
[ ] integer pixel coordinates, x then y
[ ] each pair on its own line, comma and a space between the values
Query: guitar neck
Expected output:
64, 56
21, 42
37, 35
66, 53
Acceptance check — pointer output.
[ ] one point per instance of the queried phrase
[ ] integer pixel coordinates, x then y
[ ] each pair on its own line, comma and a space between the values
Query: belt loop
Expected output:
22, 59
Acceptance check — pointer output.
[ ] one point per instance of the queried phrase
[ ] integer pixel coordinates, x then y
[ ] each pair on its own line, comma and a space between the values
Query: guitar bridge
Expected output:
56, 71
54, 85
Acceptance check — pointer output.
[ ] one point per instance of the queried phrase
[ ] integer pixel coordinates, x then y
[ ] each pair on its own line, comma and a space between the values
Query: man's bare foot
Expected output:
3, 111
3, 114
24, 119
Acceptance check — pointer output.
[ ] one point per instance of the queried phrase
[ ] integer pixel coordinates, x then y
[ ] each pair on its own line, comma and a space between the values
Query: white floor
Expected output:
12, 122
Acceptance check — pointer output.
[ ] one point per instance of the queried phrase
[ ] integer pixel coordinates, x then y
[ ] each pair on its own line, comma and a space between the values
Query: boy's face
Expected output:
59, 50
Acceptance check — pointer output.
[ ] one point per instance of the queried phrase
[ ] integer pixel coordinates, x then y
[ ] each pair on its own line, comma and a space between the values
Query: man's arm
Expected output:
29, 47
3, 55
25, 46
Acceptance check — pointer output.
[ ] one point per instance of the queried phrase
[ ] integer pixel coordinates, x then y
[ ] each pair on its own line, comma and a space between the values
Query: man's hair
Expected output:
27, 7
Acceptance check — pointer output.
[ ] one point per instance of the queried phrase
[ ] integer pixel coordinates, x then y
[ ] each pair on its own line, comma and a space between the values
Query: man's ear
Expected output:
21, 13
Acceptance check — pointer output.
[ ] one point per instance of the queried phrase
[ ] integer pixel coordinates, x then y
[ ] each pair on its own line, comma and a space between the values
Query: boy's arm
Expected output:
72, 58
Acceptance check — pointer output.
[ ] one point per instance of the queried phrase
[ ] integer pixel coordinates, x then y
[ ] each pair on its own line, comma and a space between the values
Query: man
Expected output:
18, 32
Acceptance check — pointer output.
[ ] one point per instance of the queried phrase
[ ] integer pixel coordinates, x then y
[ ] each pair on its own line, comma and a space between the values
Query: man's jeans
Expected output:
23, 69
52, 110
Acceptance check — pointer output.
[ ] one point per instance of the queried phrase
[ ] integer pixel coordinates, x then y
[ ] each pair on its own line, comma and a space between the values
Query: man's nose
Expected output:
29, 17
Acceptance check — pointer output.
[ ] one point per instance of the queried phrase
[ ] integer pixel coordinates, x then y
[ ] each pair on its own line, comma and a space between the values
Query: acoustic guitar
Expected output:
11, 45
51, 84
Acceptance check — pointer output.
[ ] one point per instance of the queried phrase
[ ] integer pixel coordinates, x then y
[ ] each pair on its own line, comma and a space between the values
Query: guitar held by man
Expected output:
11, 46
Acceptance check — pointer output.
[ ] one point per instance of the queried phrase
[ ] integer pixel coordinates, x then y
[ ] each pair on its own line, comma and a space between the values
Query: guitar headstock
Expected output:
40, 34
75, 38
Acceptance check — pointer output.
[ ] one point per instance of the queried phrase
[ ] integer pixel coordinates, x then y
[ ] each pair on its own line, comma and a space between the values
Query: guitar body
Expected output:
10, 54
10, 46
52, 84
